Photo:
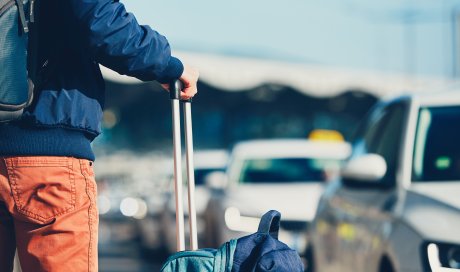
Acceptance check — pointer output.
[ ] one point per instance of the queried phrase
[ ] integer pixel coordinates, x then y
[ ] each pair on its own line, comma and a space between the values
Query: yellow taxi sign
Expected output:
326, 135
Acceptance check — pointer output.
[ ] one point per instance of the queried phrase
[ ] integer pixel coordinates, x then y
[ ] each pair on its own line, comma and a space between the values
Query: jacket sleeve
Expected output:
118, 42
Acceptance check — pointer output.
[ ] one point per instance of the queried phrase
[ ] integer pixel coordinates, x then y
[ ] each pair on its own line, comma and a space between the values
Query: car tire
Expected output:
386, 265
210, 232
310, 260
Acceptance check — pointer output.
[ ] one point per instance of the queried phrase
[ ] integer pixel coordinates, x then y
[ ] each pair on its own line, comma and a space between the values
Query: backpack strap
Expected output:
29, 25
270, 223
32, 56
22, 16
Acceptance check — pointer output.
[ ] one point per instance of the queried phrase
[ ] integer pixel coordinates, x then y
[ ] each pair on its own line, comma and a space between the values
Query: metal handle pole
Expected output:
190, 174
180, 237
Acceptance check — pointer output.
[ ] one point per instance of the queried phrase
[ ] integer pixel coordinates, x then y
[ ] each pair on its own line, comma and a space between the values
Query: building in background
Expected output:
281, 69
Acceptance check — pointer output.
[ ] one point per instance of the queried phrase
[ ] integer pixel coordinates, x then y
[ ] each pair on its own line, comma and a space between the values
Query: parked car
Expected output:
397, 204
206, 164
152, 191
285, 175
130, 192
115, 195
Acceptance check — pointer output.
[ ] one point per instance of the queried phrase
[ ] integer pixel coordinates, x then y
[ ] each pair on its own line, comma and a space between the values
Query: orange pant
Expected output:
48, 212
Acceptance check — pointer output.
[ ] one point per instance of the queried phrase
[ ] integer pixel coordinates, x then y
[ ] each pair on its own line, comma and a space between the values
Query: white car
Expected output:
285, 175
206, 164
397, 205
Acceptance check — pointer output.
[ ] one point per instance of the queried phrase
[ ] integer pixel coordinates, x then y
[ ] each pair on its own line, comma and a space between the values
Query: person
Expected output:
47, 187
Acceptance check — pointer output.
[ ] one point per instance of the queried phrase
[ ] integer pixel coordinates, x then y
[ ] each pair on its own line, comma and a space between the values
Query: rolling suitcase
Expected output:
261, 251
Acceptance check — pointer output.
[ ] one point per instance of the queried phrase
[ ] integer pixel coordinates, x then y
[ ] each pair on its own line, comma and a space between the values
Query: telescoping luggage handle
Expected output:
175, 93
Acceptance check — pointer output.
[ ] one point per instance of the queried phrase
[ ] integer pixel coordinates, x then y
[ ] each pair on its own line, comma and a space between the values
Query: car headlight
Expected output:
133, 207
443, 255
103, 204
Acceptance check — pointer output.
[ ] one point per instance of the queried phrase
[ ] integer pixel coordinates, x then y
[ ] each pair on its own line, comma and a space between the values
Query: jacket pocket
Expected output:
43, 187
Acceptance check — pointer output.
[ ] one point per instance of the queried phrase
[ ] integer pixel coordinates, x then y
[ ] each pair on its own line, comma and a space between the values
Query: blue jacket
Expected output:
75, 36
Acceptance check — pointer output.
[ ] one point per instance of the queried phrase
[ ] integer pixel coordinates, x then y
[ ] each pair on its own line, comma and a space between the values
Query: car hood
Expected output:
433, 209
295, 201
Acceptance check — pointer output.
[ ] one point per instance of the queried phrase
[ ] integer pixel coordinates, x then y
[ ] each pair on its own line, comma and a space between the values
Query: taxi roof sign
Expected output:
326, 135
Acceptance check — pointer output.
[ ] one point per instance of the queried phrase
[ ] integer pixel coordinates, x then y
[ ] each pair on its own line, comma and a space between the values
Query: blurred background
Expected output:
272, 69
269, 70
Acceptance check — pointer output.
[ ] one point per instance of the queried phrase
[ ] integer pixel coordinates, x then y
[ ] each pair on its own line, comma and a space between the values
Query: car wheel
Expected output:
386, 265
210, 232
309, 259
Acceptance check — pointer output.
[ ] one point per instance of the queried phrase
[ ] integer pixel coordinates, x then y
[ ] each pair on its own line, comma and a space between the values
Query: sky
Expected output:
407, 36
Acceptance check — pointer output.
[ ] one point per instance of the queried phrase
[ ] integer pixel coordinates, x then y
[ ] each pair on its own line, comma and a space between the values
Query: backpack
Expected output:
18, 39
258, 252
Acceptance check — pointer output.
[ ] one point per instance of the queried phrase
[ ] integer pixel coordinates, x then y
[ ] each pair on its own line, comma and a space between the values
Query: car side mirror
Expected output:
216, 180
369, 168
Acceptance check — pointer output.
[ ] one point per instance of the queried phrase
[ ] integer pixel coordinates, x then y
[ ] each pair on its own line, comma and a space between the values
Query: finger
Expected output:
187, 96
190, 92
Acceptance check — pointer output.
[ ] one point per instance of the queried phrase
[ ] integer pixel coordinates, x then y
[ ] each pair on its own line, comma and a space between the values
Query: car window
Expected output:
382, 136
283, 170
437, 148
368, 132
389, 142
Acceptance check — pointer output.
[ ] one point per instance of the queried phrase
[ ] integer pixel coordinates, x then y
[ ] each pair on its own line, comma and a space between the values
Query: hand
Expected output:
189, 79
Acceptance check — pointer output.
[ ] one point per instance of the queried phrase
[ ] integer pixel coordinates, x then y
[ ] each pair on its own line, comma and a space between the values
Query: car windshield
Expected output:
282, 170
437, 148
